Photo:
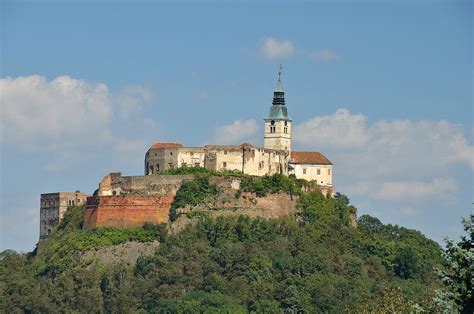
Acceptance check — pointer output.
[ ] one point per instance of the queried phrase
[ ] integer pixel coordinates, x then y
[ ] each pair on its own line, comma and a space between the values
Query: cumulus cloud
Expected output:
324, 56
272, 48
236, 132
415, 190
389, 160
341, 130
65, 115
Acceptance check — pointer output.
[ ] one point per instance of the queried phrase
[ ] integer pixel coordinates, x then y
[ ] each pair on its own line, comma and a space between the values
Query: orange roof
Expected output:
309, 158
165, 145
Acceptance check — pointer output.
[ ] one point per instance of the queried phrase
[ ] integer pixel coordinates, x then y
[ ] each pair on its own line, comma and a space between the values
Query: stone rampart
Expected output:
115, 184
127, 211
131, 201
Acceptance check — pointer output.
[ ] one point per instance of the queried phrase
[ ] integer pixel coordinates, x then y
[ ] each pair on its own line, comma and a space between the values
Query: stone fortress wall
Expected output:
131, 201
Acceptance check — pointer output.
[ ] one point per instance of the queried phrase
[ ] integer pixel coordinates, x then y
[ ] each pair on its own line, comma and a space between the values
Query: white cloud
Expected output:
389, 160
324, 56
272, 48
235, 133
341, 130
415, 190
67, 117
36, 114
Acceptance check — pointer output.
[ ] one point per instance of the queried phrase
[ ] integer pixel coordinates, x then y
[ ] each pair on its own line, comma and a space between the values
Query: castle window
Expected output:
319, 172
157, 167
272, 129
304, 170
171, 153
286, 129
155, 154
224, 164
286, 123
49, 231
329, 171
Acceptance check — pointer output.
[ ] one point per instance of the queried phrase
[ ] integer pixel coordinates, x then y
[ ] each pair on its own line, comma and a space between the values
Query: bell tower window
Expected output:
272, 126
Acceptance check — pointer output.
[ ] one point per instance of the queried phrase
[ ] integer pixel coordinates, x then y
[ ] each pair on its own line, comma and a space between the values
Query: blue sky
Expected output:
383, 89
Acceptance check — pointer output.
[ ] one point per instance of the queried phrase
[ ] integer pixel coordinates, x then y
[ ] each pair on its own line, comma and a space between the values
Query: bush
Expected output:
192, 193
186, 171
271, 184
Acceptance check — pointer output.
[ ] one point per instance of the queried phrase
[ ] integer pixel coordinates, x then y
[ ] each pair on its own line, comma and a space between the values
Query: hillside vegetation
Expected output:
315, 262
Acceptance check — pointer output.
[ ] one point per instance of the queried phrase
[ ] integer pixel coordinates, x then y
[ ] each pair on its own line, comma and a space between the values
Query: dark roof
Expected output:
278, 112
309, 158
165, 145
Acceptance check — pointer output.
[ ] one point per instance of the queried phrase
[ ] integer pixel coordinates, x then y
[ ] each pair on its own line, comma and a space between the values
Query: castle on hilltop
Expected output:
130, 201
275, 157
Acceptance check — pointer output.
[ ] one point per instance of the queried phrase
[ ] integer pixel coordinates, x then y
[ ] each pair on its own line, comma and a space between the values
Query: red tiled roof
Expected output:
165, 145
309, 158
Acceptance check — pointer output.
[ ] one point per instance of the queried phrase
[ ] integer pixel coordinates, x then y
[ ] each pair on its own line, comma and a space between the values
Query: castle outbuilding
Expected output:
275, 157
52, 209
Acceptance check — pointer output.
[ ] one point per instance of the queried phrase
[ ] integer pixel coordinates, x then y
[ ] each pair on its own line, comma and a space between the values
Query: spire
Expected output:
278, 110
279, 87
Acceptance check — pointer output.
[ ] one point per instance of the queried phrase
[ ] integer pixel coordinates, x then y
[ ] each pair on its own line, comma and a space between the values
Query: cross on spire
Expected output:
279, 87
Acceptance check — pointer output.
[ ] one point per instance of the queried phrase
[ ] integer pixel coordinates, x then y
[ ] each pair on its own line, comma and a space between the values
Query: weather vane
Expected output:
279, 72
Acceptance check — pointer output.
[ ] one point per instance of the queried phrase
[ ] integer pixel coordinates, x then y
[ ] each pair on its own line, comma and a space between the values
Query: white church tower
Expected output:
278, 122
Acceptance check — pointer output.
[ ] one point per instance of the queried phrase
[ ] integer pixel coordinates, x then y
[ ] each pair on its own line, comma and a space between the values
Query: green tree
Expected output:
457, 276
406, 263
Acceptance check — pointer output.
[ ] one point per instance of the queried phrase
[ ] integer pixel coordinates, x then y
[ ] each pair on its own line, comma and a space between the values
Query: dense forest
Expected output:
315, 262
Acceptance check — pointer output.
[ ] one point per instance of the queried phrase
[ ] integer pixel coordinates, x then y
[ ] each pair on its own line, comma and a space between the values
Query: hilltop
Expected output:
310, 259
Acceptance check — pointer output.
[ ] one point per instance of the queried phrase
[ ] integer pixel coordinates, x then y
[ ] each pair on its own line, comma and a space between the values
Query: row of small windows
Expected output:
318, 171
45, 203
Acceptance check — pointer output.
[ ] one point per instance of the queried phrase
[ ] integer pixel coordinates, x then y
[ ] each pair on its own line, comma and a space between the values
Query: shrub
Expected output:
186, 170
271, 184
192, 193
